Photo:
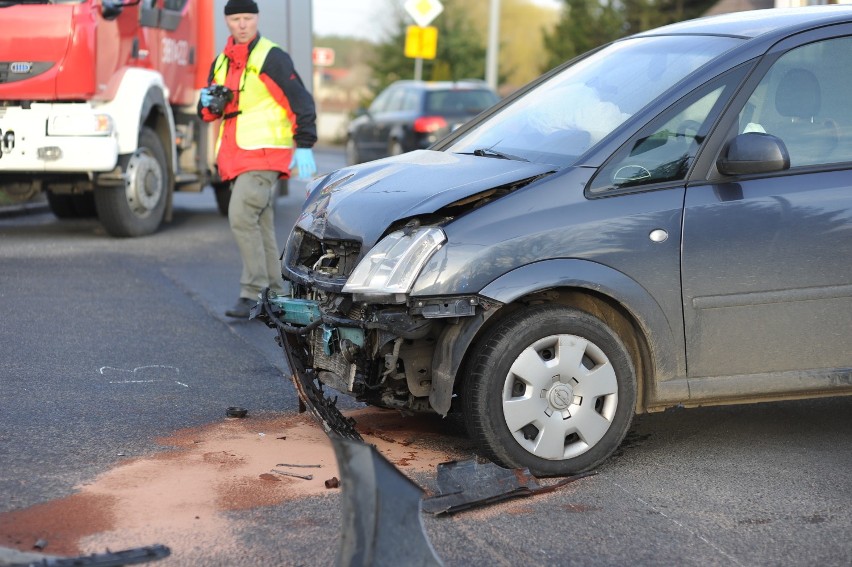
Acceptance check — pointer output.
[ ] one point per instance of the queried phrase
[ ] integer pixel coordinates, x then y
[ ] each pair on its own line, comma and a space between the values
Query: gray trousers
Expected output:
251, 214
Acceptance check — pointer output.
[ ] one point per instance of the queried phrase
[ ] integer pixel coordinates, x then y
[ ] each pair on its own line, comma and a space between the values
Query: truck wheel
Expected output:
68, 206
137, 207
550, 388
223, 196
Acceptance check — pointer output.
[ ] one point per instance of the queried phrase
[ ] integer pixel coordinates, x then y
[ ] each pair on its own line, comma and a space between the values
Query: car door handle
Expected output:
658, 235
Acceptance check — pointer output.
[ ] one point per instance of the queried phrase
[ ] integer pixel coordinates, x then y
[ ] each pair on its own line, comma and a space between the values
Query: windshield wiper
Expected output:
488, 152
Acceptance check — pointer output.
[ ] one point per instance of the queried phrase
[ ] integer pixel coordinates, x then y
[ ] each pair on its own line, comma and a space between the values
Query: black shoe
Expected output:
241, 309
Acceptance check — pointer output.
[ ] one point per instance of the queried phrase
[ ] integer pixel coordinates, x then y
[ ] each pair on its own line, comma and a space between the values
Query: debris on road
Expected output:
333, 482
286, 473
467, 484
236, 411
299, 466
380, 510
132, 556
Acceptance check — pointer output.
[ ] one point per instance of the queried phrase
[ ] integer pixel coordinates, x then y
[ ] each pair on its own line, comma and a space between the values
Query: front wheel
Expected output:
137, 207
551, 389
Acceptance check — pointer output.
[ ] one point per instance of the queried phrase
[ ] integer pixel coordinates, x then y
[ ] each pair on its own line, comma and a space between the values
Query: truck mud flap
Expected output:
382, 524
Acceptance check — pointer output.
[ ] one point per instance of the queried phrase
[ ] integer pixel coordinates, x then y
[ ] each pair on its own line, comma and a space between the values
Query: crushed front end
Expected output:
360, 319
378, 349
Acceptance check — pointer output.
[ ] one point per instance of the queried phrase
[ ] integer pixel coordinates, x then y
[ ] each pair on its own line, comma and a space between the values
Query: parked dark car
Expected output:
413, 115
666, 221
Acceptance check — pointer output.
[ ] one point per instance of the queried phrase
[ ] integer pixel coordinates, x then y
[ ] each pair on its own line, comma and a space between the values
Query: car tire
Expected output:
353, 156
137, 207
550, 388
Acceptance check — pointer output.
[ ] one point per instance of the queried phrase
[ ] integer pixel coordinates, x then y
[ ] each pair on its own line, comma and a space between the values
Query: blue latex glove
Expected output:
303, 160
205, 97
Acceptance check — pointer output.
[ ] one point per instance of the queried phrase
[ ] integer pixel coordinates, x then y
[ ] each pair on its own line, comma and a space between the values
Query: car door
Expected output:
366, 129
767, 258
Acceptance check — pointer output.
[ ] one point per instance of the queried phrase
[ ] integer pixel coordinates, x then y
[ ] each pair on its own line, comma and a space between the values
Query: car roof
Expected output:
754, 23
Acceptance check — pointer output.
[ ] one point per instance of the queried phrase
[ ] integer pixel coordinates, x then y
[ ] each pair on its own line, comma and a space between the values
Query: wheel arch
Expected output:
141, 101
617, 300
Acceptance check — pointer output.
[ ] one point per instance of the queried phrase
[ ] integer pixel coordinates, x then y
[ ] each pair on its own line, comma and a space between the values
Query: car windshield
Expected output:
566, 115
459, 101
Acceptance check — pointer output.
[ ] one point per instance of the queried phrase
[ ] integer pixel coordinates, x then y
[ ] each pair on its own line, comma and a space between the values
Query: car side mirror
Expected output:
753, 152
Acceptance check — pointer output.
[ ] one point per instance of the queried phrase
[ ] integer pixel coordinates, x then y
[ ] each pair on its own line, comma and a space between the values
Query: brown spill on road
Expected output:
179, 495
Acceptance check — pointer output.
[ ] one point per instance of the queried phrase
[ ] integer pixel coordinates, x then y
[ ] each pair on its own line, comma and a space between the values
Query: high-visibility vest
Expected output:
261, 122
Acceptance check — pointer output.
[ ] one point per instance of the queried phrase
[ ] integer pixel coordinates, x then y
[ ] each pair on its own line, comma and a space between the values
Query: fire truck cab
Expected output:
98, 106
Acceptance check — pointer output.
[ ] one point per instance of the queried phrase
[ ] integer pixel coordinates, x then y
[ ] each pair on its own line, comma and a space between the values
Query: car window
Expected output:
459, 101
411, 100
380, 104
396, 102
804, 100
566, 115
665, 150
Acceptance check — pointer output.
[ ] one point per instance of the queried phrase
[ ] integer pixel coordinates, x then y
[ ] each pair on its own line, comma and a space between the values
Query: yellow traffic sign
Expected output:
421, 42
424, 11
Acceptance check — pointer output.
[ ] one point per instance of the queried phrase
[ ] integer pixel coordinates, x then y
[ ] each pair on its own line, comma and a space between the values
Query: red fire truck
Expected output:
97, 106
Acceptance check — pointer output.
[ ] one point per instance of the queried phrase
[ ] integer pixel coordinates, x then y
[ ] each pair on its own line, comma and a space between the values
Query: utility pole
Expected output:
493, 50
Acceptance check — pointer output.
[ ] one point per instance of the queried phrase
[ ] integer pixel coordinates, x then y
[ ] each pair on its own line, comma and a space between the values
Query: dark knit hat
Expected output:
240, 7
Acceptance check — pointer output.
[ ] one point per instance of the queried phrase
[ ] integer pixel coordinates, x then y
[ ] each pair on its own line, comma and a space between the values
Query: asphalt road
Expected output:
84, 315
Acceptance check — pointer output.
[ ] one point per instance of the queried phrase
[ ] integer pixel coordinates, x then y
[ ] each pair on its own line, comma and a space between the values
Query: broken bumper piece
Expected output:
294, 319
468, 484
382, 524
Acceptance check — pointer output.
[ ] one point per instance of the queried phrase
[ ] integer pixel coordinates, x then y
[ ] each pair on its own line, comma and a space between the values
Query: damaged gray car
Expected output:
664, 221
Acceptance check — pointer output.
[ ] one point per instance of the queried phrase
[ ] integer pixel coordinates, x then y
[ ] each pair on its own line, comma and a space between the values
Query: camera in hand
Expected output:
220, 95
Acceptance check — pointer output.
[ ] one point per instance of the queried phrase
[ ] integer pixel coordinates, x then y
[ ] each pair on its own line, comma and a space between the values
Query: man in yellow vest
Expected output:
268, 127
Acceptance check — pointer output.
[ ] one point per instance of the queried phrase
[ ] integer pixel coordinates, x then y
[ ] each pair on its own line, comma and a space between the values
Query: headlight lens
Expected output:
83, 124
395, 262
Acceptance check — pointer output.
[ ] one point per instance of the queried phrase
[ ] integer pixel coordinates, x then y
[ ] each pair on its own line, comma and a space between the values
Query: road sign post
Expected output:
422, 41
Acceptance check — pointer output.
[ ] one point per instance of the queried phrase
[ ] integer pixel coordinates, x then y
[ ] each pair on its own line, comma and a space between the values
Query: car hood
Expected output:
360, 202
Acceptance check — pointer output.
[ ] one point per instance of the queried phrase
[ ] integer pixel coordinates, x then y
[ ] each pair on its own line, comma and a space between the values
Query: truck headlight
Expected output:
82, 124
395, 262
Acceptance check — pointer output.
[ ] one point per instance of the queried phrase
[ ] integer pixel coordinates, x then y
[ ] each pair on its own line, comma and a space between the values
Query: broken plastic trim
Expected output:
132, 556
381, 520
307, 385
467, 484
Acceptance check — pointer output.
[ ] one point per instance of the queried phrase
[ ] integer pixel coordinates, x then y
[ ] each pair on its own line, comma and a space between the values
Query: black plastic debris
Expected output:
468, 484
236, 411
132, 556
382, 524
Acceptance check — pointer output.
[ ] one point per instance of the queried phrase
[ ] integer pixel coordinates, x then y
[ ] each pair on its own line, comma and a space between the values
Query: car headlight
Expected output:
395, 262
82, 124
